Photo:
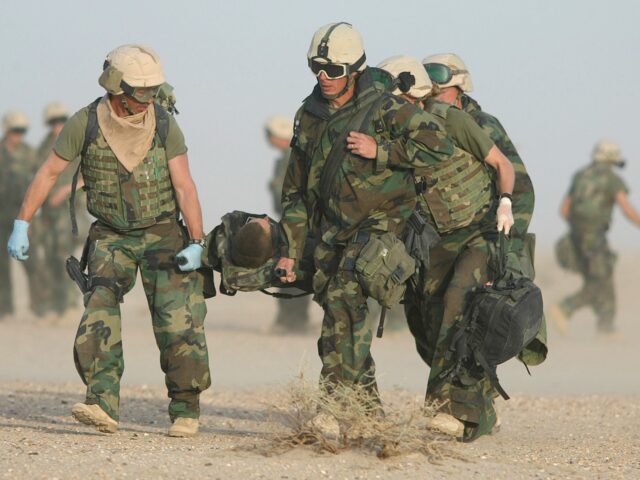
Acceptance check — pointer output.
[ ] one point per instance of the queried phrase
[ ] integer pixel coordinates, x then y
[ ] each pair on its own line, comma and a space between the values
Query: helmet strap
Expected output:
323, 48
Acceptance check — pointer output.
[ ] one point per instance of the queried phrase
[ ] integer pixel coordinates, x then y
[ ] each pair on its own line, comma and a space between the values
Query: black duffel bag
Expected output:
500, 319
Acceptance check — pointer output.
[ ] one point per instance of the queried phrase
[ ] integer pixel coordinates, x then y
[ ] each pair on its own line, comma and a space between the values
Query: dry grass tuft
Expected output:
347, 419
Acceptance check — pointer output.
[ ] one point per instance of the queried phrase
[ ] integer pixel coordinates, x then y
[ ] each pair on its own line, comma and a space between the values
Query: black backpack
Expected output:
500, 319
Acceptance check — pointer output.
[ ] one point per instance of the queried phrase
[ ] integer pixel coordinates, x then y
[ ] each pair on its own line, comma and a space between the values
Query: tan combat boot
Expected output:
95, 416
184, 427
447, 424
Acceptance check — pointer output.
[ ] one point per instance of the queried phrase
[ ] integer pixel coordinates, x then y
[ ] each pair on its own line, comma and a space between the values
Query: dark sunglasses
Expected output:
333, 71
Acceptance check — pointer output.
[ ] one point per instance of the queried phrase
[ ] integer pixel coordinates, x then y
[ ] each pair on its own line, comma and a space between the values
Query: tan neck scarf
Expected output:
129, 137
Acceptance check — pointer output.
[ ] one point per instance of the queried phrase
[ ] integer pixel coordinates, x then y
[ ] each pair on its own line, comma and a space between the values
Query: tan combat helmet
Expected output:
129, 67
280, 127
55, 112
606, 151
454, 75
337, 44
15, 121
410, 76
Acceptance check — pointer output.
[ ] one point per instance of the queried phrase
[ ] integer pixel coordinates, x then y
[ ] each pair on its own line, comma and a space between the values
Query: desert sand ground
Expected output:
577, 416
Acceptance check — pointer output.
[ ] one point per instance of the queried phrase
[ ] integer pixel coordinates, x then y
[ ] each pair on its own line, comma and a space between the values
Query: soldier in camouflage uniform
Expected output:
459, 200
135, 168
588, 206
350, 177
293, 314
17, 166
453, 80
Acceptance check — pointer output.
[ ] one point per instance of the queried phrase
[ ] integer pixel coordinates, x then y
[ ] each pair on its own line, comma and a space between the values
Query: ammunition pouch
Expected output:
382, 267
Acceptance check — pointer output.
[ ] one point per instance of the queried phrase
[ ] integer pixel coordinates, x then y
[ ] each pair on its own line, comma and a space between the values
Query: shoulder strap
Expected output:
162, 123
90, 134
491, 373
360, 120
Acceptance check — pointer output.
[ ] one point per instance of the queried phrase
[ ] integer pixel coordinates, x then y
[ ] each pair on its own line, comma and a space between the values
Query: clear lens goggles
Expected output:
140, 94
333, 71
441, 74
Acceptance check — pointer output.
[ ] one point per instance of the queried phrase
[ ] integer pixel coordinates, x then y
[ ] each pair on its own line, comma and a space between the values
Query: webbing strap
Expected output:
90, 133
502, 251
491, 373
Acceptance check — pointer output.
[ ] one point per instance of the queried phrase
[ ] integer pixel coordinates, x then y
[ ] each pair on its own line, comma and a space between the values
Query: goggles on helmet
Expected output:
333, 71
140, 94
18, 130
441, 74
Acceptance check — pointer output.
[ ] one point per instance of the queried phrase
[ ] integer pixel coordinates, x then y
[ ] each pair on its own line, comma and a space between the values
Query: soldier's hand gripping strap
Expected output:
368, 106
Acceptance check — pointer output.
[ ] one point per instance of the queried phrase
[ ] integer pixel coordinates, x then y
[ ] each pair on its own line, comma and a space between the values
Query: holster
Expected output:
76, 273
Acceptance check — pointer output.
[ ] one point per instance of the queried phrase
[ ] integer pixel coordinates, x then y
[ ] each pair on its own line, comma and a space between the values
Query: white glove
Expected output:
505, 216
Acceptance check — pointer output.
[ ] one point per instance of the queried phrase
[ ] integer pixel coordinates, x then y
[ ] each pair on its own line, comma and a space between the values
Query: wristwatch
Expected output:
197, 241
506, 195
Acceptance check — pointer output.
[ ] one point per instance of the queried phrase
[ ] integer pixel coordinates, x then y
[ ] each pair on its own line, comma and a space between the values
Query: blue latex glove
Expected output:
190, 258
18, 243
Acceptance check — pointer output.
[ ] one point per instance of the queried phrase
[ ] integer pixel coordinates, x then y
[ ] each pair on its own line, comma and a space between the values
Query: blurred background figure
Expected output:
56, 239
18, 164
588, 206
293, 314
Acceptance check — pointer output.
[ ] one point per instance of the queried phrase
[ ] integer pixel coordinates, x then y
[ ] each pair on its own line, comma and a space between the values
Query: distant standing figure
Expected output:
588, 207
55, 236
293, 314
17, 167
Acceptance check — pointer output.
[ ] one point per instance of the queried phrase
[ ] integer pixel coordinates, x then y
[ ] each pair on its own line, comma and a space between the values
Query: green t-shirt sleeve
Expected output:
618, 185
467, 134
68, 146
175, 140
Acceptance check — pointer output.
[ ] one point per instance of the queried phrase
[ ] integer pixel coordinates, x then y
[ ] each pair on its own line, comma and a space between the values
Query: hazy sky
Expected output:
558, 74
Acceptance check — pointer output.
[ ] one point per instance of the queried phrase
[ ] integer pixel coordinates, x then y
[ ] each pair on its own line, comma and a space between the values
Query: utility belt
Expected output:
77, 269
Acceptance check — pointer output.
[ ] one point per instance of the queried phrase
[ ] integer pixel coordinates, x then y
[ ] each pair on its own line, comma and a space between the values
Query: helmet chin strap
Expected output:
351, 80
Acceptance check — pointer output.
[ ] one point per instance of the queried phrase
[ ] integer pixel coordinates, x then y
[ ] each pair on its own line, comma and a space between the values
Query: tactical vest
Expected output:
127, 200
459, 190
